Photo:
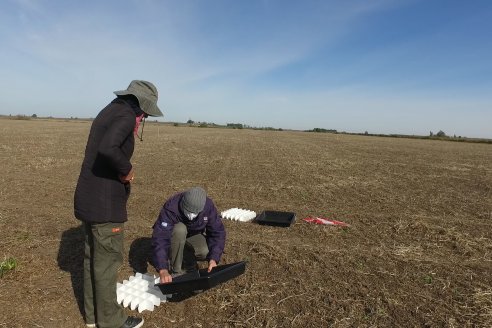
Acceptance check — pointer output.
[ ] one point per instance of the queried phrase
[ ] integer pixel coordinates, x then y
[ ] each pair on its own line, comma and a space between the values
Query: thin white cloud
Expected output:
77, 42
281, 45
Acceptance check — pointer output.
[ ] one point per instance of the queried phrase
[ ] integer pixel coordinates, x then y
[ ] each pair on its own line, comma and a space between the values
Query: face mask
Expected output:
190, 216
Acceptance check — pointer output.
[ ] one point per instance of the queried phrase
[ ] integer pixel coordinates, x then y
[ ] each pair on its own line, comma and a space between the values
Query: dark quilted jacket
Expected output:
100, 197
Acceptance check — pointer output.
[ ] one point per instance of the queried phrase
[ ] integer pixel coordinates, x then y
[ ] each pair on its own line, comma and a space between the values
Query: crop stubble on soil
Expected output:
418, 252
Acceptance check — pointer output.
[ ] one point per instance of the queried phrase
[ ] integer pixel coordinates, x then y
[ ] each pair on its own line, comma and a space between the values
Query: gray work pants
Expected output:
186, 251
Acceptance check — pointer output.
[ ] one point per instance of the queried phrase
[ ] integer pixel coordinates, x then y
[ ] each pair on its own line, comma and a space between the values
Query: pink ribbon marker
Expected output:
325, 221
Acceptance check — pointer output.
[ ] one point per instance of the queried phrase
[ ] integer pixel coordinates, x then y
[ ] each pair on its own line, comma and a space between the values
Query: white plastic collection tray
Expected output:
139, 292
238, 214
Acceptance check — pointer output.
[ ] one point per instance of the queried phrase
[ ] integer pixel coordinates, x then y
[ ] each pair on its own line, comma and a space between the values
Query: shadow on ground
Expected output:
139, 257
71, 259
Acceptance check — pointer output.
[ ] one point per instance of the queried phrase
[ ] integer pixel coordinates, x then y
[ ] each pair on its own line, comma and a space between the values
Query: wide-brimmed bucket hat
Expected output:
146, 94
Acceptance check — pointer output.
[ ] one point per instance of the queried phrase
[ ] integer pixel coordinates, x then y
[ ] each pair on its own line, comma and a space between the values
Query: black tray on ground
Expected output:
201, 279
276, 218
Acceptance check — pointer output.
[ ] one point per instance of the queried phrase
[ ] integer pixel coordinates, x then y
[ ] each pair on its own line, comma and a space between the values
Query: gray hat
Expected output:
146, 94
193, 200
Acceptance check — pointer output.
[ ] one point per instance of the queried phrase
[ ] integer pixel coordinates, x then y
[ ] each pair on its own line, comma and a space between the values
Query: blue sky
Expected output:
382, 66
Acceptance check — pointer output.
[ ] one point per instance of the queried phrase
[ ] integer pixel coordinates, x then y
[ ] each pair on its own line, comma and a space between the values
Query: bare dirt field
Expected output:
418, 252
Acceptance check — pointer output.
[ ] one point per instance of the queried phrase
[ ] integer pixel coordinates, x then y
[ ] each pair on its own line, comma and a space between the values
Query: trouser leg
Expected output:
107, 258
185, 251
199, 245
90, 316
178, 241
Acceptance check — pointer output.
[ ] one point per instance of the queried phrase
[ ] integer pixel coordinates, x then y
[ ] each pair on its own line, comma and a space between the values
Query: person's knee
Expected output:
201, 252
179, 231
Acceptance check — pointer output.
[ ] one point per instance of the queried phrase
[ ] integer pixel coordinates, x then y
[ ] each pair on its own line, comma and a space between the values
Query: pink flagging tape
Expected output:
325, 221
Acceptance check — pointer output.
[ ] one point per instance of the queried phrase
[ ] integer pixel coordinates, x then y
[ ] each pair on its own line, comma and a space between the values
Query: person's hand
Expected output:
128, 178
211, 264
165, 277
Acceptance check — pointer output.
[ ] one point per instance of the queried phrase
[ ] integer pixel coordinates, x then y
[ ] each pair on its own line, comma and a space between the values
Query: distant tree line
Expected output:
440, 135
235, 125
320, 130
239, 126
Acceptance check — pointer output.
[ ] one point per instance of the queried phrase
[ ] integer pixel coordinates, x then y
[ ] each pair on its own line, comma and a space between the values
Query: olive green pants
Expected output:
185, 251
103, 256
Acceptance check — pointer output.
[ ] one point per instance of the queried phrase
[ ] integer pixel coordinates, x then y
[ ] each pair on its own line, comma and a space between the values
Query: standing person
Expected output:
100, 200
188, 225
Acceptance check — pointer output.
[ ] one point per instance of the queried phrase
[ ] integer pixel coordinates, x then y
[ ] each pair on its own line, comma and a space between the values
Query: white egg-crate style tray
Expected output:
238, 214
140, 293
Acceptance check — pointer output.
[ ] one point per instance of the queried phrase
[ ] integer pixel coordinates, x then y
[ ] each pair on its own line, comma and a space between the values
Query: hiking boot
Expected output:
132, 322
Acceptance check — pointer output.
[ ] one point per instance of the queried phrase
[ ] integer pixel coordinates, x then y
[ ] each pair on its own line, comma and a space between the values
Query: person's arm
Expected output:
216, 236
114, 137
161, 242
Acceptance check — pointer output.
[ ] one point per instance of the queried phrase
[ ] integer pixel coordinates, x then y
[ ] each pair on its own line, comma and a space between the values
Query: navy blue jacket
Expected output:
207, 222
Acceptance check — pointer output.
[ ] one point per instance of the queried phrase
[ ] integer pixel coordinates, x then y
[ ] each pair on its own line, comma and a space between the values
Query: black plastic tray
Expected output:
276, 218
201, 279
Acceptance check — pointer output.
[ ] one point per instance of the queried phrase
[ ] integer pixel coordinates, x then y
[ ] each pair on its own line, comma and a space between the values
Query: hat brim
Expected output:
151, 110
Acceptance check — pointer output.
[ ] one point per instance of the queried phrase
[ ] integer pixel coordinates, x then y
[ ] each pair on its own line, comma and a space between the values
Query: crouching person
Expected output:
188, 229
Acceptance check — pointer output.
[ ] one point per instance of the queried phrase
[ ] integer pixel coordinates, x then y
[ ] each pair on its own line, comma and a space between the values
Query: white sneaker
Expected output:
91, 325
